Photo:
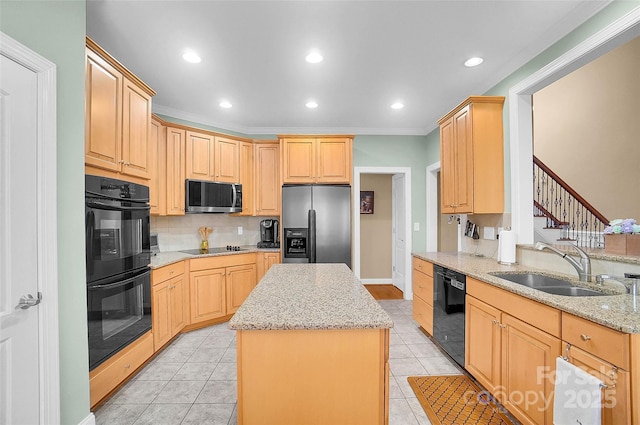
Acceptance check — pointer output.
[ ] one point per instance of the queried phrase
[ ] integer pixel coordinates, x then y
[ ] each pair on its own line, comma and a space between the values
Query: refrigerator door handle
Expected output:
312, 236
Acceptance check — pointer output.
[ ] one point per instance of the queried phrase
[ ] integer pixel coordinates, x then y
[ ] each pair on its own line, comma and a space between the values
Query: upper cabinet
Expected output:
157, 168
212, 158
307, 159
117, 116
472, 158
246, 178
267, 187
175, 170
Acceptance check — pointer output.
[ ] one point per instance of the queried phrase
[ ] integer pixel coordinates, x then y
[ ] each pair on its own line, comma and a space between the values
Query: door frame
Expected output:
47, 249
357, 171
613, 35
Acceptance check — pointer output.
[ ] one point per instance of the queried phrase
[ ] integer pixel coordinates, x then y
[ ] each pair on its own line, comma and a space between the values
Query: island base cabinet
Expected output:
313, 377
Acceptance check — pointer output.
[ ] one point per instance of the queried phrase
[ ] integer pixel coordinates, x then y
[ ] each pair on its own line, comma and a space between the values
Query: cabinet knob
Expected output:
121, 161
495, 322
170, 271
502, 325
420, 286
127, 366
585, 337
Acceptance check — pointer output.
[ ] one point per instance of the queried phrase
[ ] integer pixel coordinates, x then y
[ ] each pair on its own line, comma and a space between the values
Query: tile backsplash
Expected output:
181, 232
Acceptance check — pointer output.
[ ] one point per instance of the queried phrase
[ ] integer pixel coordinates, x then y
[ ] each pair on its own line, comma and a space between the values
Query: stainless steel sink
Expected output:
548, 284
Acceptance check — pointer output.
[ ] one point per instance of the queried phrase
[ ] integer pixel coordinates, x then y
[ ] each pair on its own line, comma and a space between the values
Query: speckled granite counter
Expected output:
310, 296
165, 258
619, 311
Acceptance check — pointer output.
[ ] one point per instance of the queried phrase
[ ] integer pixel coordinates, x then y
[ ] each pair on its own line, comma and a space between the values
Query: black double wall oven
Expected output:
117, 262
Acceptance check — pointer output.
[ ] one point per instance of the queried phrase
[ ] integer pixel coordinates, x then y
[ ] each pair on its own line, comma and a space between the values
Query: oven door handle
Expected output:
101, 206
119, 283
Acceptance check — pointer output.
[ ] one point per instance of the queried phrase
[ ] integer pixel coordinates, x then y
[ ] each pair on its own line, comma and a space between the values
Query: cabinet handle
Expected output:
420, 286
495, 322
585, 337
170, 271
127, 366
502, 325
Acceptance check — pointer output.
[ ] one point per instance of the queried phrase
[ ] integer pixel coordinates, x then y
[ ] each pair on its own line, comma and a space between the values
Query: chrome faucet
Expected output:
583, 267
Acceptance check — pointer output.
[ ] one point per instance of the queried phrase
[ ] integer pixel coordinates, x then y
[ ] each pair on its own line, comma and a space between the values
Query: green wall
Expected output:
56, 30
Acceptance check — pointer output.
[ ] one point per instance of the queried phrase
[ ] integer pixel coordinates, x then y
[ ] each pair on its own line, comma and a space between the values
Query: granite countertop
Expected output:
310, 296
162, 259
619, 311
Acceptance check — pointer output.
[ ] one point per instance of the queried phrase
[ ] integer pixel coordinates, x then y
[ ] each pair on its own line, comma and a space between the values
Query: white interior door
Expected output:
399, 231
19, 337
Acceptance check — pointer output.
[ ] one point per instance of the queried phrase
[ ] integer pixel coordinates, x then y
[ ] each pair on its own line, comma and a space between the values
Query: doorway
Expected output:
399, 242
29, 391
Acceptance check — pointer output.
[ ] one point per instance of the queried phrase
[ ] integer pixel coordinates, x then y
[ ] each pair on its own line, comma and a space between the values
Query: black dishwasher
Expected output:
449, 292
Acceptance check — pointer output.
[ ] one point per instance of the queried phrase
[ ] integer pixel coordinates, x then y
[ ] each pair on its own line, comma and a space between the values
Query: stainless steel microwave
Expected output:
212, 197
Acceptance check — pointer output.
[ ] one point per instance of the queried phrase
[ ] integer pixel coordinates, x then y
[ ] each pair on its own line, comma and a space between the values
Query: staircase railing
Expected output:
564, 208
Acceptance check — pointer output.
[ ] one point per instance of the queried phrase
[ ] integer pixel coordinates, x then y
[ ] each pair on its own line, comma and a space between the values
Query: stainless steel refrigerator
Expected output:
316, 224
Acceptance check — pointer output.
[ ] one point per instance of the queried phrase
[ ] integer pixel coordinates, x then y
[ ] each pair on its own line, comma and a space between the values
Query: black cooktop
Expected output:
217, 250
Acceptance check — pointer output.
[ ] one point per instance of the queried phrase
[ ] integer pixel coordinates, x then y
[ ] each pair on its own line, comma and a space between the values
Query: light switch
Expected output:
240, 230
416, 227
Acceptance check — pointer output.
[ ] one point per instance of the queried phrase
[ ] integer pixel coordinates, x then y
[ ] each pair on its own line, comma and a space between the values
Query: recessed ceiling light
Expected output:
191, 57
397, 105
473, 62
314, 57
311, 104
225, 104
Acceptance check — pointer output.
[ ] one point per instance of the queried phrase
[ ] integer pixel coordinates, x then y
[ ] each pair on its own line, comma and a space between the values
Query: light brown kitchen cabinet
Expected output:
117, 116
212, 158
267, 178
265, 261
219, 284
472, 157
169, 300
308, 159
246, 179
510, 341
604, 353
157, 168
176, 163
423, 294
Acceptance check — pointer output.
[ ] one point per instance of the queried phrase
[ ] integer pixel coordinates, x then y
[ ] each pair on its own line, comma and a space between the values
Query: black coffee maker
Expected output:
269, 234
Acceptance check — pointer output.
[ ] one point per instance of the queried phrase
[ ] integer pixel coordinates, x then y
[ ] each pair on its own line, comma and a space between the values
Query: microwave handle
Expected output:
101, 206
235, 196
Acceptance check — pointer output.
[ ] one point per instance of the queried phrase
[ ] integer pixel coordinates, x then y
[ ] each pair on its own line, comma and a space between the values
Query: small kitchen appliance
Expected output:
269, 234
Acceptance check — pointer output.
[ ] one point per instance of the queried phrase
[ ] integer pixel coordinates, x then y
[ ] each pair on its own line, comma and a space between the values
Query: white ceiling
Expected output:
375, 53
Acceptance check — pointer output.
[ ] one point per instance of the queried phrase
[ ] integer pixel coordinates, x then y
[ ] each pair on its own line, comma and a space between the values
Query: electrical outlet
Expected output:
240, 230
416, 227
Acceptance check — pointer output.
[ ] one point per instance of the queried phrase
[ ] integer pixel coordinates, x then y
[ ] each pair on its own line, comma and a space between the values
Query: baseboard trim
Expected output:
366, 281
89, 420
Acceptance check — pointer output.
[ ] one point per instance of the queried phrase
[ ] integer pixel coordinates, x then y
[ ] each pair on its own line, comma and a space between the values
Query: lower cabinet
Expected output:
219, 285
511, 358
423, 294
265, 261
169, 297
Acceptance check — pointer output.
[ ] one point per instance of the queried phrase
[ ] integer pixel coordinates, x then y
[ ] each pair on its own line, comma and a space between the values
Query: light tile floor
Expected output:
193, 381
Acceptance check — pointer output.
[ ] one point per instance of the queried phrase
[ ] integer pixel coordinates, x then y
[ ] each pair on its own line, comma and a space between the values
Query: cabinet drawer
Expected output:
423, 266
423, 286
219, 261
608, 344
167, 272
110, 374
423, 314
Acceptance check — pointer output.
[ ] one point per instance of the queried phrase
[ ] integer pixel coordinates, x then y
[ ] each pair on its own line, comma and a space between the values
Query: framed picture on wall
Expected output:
366, 202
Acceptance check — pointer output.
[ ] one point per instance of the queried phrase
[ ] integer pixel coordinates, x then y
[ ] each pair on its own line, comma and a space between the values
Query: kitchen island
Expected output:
313, 348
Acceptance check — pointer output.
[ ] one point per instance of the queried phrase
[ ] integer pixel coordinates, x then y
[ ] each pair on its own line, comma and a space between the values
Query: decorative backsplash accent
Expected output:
181, 232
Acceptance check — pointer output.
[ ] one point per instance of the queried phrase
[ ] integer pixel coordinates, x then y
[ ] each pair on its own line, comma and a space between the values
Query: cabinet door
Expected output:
240, 282
136, 119
482, 343
299, 160
265, 261
161, 314
334, 158
267, 179
447, 167
157, 169
179, 298
207, 294
463, 169
226, 160
200, 156
103, 114
246, 178
616, 397
528, 365
175, 171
